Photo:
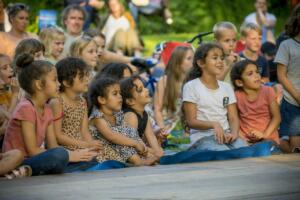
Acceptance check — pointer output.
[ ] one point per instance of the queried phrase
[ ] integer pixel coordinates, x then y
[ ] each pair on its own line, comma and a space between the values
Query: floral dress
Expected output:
120, 127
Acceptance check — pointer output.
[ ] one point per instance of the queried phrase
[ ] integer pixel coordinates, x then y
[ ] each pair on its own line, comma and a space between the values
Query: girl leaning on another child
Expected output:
107, 123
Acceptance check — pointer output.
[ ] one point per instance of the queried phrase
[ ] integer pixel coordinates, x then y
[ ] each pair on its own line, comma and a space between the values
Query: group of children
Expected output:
64, 114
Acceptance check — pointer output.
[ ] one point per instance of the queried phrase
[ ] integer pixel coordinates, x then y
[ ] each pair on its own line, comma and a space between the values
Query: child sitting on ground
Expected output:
31, 124
225, 34
251, 36
135, 98
70, 108
257, 106
107, 122
209, 104
53, 40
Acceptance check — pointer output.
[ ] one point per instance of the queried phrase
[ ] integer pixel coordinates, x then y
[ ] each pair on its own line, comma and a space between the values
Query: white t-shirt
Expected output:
112, 25
211, 104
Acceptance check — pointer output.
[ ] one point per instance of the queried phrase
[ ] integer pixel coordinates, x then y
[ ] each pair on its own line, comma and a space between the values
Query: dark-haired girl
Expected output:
30, 128
257, 106
209, 104
107, 122
18, 15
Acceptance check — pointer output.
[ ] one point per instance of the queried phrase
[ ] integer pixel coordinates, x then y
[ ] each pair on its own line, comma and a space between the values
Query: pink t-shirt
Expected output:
25, 111
256, 115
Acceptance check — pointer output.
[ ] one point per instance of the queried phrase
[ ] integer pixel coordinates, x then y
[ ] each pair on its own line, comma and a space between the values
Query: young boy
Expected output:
135, 98
225, 34
251, 36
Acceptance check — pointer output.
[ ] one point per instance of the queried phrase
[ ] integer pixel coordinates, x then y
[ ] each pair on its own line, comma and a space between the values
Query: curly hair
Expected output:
68, 68
99, 88
31, 70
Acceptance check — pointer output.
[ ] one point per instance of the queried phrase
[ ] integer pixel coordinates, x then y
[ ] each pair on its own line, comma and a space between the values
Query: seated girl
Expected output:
209, 104
107, 123
257, 105
135, 98
53, 40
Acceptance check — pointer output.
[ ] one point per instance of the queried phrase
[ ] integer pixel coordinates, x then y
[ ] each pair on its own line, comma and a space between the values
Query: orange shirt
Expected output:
256, 115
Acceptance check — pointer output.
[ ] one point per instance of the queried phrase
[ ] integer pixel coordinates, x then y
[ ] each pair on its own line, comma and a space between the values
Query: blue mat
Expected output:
256, 150
94, 166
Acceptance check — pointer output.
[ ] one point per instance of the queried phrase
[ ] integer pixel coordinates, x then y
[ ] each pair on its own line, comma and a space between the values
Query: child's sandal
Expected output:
20, 172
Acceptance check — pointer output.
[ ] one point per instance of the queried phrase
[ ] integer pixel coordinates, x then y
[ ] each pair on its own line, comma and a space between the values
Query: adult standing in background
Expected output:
18, 15
90, 7
264, 19
73, 18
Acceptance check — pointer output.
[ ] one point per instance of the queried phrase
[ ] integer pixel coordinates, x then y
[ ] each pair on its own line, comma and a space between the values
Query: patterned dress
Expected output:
73, 115
120, 127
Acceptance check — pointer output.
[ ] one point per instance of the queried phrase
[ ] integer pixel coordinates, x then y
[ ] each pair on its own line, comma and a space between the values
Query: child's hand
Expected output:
81, 155
161, 134
140, 147
230, 137
232, 57
14, 86
219, 133
95, 144
255, 136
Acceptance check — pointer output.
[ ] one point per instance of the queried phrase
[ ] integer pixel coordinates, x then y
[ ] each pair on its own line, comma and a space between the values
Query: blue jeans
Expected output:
256, 150
52, 161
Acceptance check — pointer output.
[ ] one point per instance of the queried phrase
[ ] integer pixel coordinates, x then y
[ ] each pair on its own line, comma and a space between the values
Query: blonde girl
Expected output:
86, 49
53, 40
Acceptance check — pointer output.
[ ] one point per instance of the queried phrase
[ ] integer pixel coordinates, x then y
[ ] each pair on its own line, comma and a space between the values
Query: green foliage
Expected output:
190, 16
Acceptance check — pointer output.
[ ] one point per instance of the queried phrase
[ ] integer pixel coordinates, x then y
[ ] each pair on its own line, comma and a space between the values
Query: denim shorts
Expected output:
290, 119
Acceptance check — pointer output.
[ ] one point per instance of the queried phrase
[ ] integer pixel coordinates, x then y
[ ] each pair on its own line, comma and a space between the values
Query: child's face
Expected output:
251, 78
57, 47
113, 100
51, 84
227, 41
140, 93
80, 83
253, 41
214, 62
90, 55
187, 62
101, 45
6, 72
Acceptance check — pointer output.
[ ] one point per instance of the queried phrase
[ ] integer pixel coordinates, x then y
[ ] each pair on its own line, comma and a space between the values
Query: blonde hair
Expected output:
79, 45
175, 76
47, 35
245, 28
219, 28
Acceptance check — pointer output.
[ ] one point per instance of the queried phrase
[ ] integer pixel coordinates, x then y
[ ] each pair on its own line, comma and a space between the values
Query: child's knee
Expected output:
60, 157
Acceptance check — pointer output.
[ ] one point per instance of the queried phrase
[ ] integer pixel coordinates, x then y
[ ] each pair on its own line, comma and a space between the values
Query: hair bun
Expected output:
24, 59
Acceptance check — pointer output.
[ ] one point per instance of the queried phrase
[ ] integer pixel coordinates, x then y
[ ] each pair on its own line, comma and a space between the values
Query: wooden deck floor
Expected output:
275, 177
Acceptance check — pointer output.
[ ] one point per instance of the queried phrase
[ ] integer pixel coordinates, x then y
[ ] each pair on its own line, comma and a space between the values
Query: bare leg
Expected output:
10, 160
